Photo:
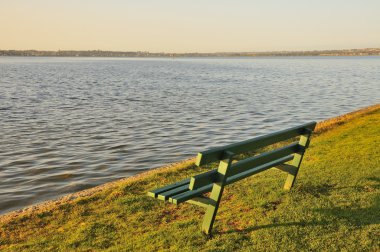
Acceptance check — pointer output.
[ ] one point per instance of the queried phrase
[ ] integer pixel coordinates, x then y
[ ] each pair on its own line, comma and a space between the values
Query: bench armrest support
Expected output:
296, 163
216, 193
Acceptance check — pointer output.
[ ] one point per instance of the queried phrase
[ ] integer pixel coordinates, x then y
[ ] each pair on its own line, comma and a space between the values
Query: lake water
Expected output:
67, 124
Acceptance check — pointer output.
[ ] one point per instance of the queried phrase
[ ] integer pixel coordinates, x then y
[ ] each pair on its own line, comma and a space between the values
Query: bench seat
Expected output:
180, 192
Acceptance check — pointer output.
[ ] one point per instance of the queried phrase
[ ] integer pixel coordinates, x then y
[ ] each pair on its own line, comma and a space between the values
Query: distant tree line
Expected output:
99, 53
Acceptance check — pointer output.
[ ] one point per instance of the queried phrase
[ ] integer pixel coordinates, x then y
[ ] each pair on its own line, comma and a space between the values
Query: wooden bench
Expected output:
192, 190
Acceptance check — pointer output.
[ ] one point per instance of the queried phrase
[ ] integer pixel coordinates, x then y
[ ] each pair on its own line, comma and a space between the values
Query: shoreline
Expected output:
141, 54
322, 126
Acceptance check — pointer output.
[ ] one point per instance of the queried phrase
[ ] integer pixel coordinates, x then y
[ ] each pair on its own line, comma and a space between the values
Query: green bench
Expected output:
192, 190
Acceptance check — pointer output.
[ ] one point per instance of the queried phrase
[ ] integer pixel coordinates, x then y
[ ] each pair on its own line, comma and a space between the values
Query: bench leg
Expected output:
304, 142
216, 195
212, 208
291, 178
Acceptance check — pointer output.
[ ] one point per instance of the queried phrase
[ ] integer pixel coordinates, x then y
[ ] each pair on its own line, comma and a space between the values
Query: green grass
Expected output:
334, 206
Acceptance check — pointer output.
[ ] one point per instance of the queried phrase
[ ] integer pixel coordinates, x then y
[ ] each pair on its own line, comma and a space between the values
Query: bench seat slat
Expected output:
182, 197
157, 191
203, 179
216, 154
165, 195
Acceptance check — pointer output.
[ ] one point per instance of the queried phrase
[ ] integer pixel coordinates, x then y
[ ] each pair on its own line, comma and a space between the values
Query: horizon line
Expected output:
194, 52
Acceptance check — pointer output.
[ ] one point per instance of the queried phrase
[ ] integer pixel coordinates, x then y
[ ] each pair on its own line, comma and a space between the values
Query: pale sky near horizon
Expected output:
189, 26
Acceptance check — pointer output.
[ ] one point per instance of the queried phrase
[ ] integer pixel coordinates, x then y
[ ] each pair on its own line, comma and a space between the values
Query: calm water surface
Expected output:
68, 124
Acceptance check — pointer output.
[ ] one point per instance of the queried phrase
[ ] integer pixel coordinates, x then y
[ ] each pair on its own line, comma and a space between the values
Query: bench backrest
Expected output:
255, 164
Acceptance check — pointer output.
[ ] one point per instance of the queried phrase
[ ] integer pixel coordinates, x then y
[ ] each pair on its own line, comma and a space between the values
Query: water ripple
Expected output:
72, 123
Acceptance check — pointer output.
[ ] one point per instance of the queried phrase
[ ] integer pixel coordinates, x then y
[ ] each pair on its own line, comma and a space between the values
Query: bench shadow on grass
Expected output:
354, 216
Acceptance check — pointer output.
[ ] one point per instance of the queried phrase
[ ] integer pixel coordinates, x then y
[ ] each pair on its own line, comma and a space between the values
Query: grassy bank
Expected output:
334, 206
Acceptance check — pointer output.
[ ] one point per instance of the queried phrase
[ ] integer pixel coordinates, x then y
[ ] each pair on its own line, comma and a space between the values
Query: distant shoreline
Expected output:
144, 54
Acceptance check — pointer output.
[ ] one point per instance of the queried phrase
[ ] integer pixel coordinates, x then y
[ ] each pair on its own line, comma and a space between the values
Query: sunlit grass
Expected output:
334, 206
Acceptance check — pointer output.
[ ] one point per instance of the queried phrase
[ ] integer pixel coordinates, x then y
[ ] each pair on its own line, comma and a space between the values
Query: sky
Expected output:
189, 25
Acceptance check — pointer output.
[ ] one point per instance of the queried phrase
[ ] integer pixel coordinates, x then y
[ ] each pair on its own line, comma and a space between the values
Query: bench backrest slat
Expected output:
217, 154
257, 169
261, 159
203, 179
